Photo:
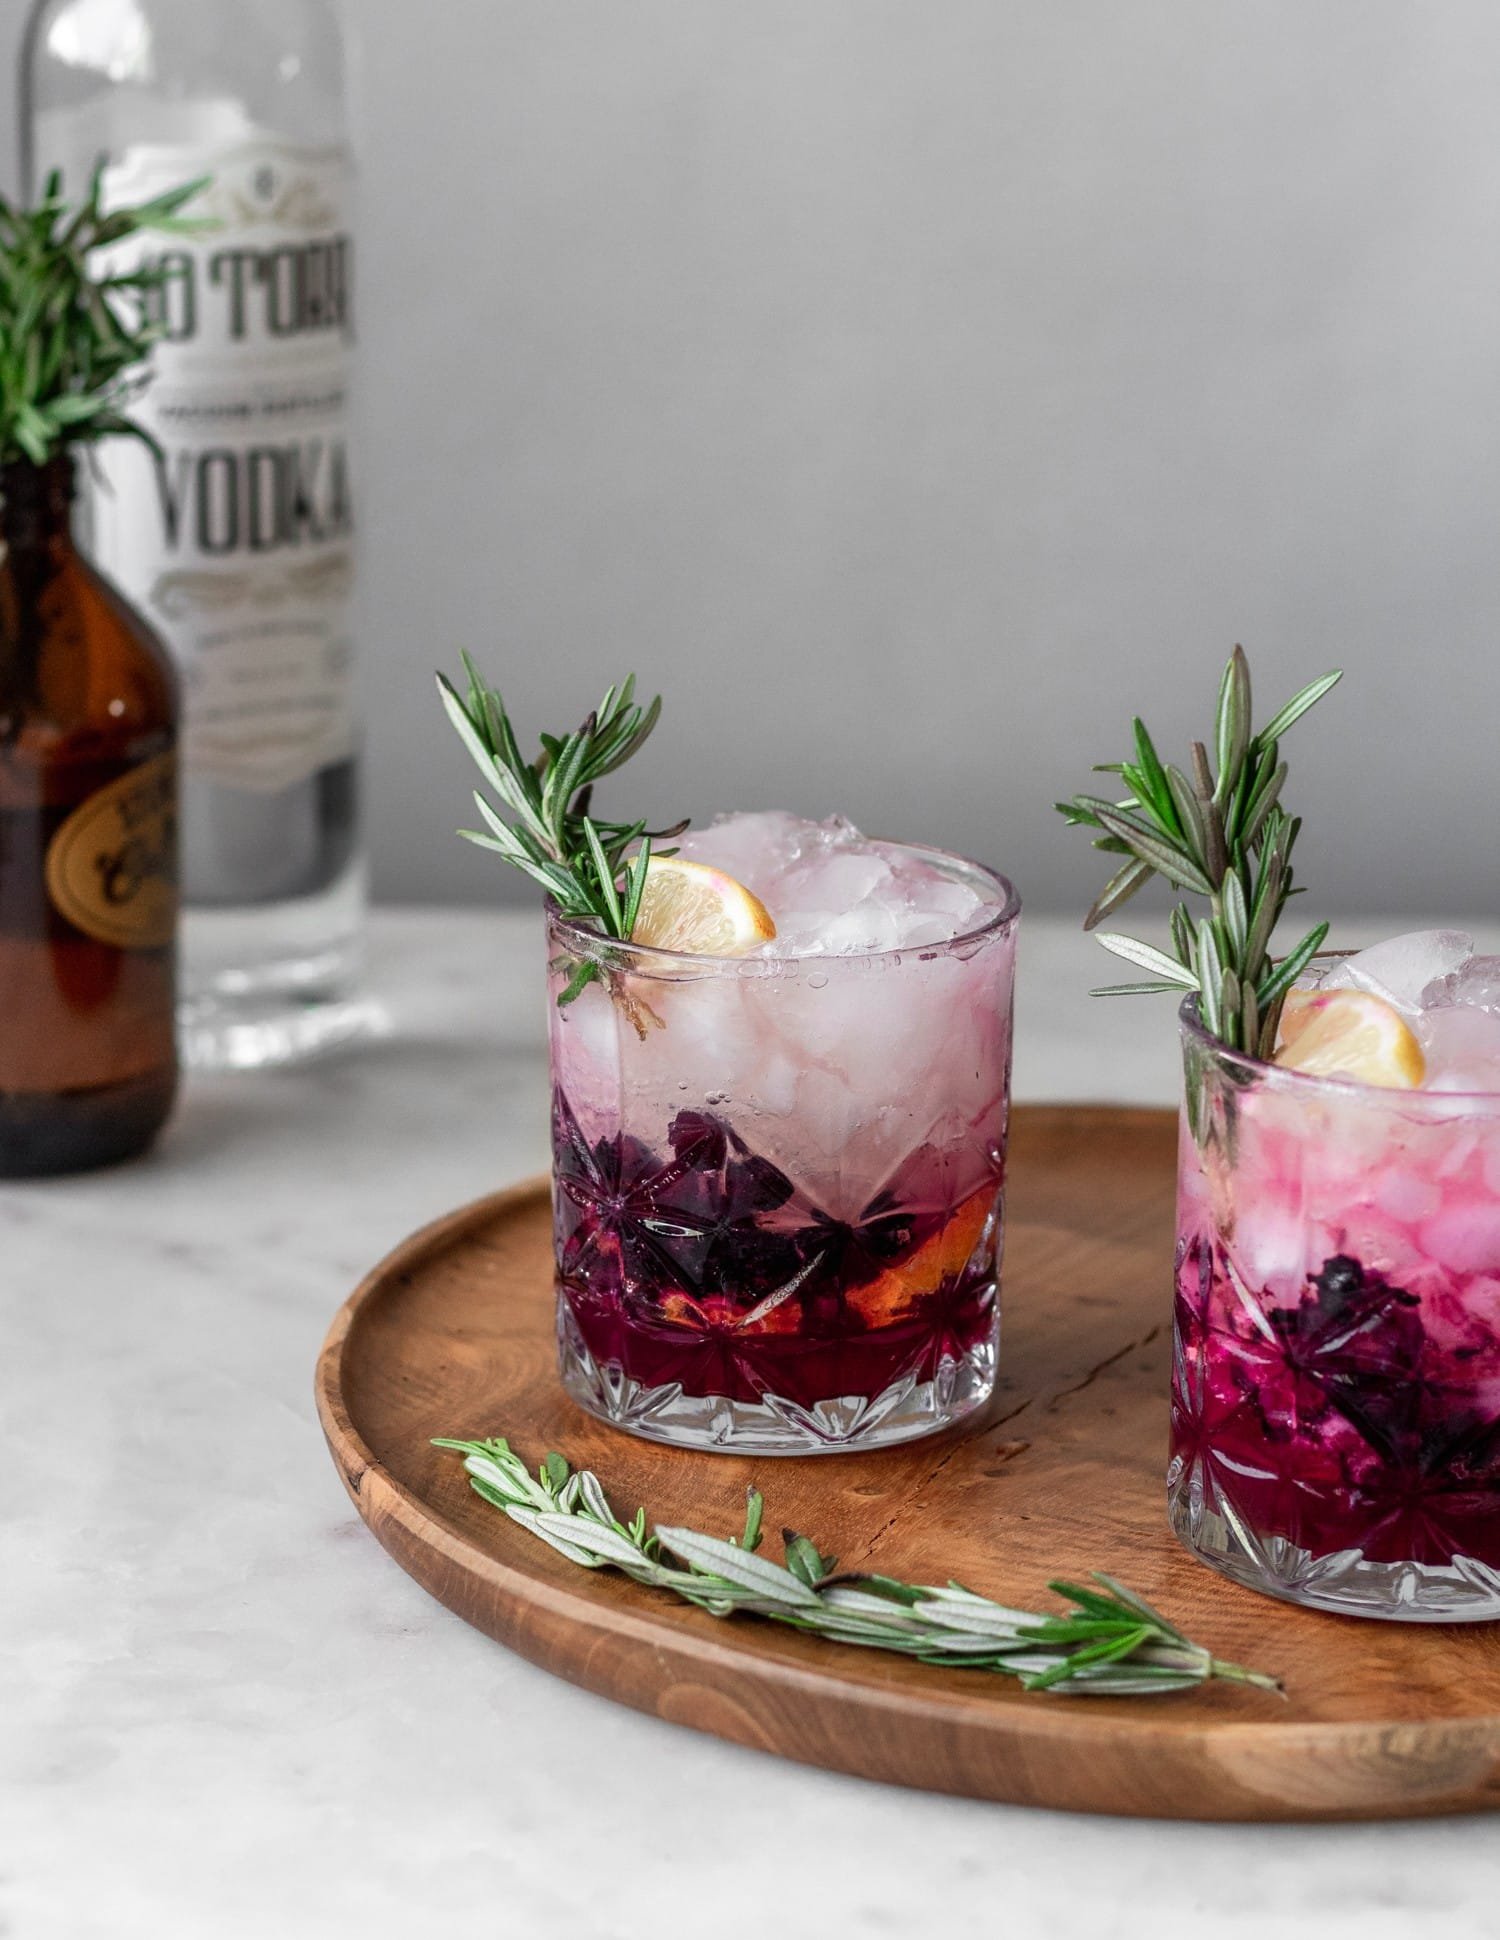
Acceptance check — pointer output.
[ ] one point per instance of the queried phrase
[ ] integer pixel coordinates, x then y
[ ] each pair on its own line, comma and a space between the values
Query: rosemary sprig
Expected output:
1218, 831
1110, 1644
71, 342
577, 857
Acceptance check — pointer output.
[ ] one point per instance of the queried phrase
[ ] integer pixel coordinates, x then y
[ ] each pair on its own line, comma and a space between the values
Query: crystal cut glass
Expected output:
1336, 1383
778, 1184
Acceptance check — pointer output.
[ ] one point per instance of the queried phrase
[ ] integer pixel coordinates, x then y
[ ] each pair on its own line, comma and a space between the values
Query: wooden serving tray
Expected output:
453, 1335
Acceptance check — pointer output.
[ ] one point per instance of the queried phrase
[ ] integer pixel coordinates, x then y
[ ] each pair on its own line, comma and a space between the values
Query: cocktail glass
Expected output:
777, 1184
1336, 1390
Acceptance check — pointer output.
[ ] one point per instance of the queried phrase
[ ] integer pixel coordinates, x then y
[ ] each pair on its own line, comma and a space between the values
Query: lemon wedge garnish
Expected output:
1349, 1034
689, 906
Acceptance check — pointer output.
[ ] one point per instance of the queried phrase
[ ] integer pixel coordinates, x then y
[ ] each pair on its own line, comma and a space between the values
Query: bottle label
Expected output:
236, 539
112, 866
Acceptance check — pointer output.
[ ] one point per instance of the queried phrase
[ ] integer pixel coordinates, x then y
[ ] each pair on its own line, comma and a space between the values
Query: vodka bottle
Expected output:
236, 538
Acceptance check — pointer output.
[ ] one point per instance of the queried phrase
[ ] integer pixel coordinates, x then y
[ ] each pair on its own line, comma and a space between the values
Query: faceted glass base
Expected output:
275, 983
906, 1411
1463, 1591
246, 1034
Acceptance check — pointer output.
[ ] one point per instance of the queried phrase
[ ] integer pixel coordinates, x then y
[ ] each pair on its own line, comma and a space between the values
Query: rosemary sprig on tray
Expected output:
1111, 1644
578, 858
72, 342
1220, 832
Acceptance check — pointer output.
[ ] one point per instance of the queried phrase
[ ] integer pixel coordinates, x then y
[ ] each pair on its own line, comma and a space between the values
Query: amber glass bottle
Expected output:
88, 848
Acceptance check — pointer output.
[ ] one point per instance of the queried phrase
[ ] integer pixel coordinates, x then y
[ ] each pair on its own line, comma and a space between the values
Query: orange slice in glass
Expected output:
689, 906
1349, 1034
893, 1294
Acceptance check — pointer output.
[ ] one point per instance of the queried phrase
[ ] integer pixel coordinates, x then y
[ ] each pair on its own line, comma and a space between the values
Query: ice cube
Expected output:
919, 930
755, 849
1403, 968
953, 904
870, 925
837, 881
1476, 983
1461, 1043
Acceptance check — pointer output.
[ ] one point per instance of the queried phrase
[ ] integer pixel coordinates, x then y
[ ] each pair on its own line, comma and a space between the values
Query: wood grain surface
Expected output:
453, 1335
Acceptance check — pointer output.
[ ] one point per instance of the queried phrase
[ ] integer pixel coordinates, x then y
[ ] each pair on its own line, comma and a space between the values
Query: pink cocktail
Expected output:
778, 1177
1336, 1398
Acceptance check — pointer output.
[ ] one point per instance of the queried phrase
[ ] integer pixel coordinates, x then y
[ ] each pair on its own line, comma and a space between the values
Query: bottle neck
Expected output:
36, 505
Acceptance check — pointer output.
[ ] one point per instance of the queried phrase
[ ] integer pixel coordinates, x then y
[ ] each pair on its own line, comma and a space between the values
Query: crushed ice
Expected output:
1449, 996
833, 891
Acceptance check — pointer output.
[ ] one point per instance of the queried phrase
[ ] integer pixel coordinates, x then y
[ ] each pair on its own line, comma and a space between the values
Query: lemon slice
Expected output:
688, 906
1349, 1034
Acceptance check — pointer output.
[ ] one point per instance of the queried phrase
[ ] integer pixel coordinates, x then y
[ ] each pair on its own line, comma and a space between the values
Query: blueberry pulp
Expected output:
700, 1262
1338, 1422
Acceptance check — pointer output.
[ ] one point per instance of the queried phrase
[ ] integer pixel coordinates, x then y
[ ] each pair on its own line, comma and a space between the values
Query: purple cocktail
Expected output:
777, 1176
1336, 1400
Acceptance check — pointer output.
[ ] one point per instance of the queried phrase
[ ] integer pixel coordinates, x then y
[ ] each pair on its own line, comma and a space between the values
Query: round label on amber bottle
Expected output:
112, 866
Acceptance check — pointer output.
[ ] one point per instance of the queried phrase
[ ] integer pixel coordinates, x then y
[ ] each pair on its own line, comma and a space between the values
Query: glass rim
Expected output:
1398, 1097
644, 955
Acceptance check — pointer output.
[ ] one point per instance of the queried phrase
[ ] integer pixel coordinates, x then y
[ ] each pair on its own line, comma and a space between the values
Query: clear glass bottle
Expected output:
236, 542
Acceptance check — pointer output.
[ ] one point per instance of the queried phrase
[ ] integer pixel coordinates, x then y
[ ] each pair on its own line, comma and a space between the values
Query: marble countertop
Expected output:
225, 1713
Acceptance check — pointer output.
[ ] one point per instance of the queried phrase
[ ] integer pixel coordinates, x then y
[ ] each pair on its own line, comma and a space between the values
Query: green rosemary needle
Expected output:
1110, 1644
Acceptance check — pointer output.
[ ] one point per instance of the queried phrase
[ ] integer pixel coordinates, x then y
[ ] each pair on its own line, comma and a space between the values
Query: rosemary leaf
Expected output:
1250, 1018
1189, 811
1297, 706
606, 879
1184, 941
1148, 987
1165, 857
1155, 785
636, 884
1234, 916
1210, 966
1121, 886
1148, 957
1291, 966
583, 975
1233, 726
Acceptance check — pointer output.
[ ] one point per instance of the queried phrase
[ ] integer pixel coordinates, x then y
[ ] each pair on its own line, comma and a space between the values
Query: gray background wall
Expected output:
912, 389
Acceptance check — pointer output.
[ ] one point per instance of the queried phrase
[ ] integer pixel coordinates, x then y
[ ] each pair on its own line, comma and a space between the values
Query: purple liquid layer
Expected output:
701, 1263
1355, 1417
